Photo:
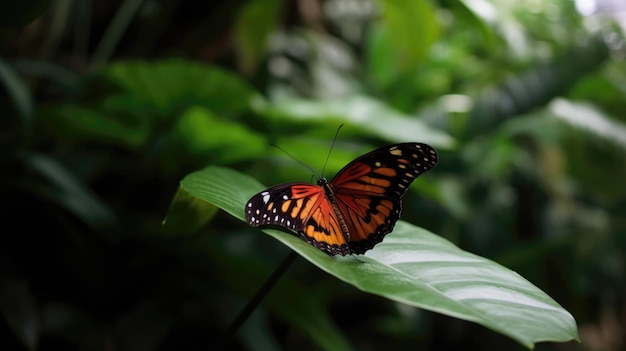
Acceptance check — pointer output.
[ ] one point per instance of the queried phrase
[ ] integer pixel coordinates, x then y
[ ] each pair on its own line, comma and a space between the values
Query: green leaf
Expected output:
229, 191
202, 132
402, 40
69, 192
414, 27
378, 55
418, 268
188, 83
365, 114
480, 14
591, 119
187, 214
78, 123
222, 187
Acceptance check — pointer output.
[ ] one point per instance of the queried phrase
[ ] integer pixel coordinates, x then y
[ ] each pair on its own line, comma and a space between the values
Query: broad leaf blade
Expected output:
360, 112
418, 268
188, 84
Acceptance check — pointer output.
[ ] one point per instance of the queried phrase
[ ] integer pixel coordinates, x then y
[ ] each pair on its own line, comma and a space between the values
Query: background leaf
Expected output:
188, 84
405, 35
359, 112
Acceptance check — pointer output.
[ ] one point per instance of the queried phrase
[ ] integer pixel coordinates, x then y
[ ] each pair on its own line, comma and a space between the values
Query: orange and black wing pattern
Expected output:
369, 190
356, 209
301, 207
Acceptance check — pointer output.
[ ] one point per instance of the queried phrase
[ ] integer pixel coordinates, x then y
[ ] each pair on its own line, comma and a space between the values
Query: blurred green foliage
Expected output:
107, 106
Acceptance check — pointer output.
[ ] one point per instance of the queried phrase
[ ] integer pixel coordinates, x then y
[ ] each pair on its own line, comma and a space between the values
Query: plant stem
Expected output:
258, 297
114, 31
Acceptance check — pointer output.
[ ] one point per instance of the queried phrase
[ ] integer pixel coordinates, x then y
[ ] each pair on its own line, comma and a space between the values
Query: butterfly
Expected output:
355, 210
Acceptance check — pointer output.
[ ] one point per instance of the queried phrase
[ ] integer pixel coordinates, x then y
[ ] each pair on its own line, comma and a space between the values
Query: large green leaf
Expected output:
368, 115
202, 132
418, 268
187, 83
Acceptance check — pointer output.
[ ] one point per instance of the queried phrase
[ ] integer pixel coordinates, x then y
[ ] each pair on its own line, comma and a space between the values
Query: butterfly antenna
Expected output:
331, 149
300, 162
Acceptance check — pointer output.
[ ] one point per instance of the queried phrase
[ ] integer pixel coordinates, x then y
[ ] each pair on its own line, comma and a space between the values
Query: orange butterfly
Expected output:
354, 211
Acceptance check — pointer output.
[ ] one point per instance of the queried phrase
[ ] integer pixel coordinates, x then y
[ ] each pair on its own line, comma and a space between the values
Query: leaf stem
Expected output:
115, 31
258, 297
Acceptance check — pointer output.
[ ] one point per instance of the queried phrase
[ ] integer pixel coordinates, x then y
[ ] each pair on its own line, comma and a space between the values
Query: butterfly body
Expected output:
356, 209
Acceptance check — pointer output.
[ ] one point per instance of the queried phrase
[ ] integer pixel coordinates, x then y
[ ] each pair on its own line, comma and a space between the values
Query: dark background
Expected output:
106, 105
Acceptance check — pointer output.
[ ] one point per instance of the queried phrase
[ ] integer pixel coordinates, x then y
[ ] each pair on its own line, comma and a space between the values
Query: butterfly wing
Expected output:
369, 190
301, 207
362, 206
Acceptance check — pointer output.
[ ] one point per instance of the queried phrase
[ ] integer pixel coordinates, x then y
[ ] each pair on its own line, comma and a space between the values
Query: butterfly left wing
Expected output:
301, 207
369, 190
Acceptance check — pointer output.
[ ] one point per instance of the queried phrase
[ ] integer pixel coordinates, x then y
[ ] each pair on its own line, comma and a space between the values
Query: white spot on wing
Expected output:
266, 197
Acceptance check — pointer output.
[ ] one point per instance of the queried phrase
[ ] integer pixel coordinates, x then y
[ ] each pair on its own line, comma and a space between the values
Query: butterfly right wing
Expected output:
370, 189
301, 207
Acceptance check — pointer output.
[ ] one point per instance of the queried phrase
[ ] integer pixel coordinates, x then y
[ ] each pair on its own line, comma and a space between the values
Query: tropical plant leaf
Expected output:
535, 87
418, 268
368, 115
589, 118
65, 189
72, 122
188, 84
204, 133
394, 40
